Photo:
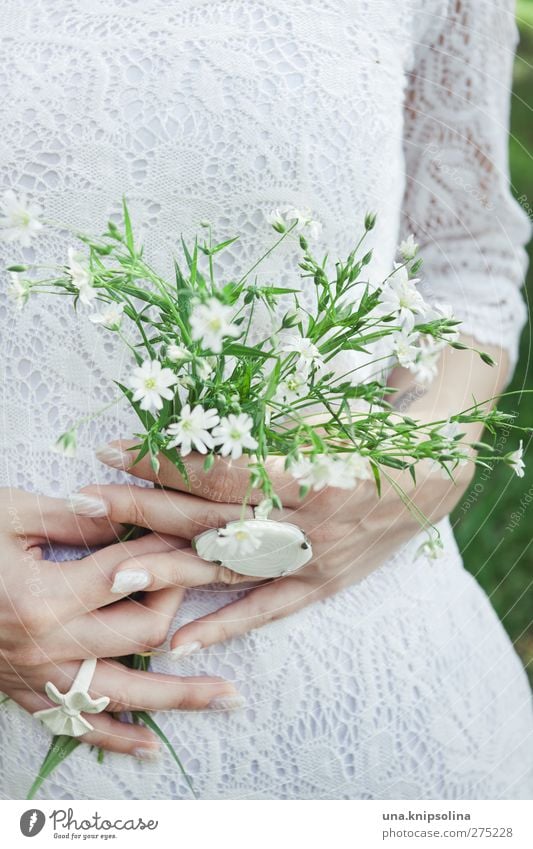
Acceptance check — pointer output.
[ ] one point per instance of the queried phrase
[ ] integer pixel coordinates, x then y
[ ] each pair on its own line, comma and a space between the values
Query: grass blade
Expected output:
151, 723
60, 748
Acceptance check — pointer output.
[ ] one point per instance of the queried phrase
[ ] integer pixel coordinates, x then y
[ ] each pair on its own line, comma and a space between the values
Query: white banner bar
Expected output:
265, 824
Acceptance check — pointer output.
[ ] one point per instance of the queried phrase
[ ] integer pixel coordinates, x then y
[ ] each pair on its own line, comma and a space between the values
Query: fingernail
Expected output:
129, 580
114, 457
185, 650
147, 754
87, 505
227, 702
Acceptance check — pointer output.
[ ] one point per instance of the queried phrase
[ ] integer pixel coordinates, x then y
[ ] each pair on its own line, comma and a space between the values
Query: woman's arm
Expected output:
462, 378
458, 202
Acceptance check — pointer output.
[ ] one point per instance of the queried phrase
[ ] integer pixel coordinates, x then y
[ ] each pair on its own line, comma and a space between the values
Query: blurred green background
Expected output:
494, 521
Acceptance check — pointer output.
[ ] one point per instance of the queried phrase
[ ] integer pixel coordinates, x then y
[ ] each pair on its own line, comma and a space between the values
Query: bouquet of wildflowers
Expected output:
198, 384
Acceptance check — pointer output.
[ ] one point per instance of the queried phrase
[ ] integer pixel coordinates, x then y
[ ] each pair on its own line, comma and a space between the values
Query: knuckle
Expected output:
326, 532
27, 656
177, 573
224, 631
132, 513
224, 575
154, 633
31, 618
212, 518
224, 487
118, 701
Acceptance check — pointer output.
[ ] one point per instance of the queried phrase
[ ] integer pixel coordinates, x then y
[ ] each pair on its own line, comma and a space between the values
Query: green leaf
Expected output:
377, 477
209, 462
238, 350
151, 723
273, 381
222, 245
128, 227
60, 748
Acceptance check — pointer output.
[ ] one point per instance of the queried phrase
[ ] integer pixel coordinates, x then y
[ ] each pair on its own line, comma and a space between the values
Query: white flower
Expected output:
439, 312
277, 220
110, 317
358, 465
340, 472
66, 444
314, 228
284, 217
211, 322
192, 430
177, 353
515, 460
308, 353
239, 539
316, 473
449, 431
400, 297
294, 386
233, 434
19, 221
425, 369
80, 275
205, 367
77, 269
263, 509
404, 348
432, 548
151, 383
19, 290
408, 248
296, 315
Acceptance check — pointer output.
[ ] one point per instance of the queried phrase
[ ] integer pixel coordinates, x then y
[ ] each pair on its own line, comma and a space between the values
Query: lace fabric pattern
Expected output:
404, 686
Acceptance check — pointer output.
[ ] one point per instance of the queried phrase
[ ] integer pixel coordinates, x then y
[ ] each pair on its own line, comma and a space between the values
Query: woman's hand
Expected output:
352, 533
52, 615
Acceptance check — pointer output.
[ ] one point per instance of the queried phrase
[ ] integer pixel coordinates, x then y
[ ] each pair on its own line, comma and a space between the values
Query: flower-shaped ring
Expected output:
66, 718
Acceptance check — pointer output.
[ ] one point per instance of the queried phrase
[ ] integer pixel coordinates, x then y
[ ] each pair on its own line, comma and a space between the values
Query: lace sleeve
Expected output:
458, 201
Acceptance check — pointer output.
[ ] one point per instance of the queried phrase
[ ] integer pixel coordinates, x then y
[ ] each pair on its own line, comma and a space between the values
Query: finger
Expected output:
132, 689
128, 627
160, 510
258, 607
132, 626
109, 733
182, 568
71, 588
226, 481
40, 520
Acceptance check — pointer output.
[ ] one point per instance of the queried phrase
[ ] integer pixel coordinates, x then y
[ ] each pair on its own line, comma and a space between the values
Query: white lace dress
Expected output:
405, 685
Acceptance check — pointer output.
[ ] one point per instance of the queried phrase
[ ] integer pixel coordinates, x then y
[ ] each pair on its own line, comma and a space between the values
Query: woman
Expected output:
372, 673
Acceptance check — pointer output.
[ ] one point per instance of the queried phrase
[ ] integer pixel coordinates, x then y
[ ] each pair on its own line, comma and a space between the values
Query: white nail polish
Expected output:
185, 650
114, 457
227, 702
129, 580
147, 754
87, 505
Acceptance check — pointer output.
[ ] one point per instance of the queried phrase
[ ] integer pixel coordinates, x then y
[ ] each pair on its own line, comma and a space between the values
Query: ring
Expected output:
66, 717
258, 547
